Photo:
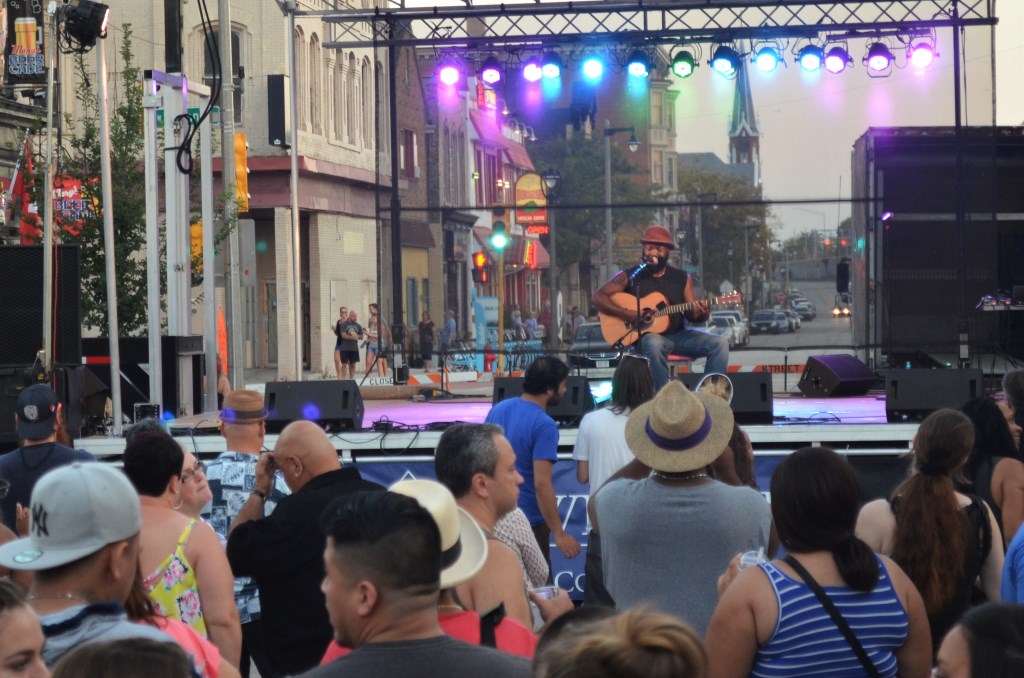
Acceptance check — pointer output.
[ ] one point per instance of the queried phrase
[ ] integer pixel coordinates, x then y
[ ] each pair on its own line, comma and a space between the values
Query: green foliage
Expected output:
83, 163
580, 161
723, 223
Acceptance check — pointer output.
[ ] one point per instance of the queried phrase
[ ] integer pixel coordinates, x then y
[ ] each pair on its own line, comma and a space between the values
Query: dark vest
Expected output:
672, 285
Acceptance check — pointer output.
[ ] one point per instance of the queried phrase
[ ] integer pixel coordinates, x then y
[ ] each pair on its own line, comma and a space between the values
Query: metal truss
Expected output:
465, 24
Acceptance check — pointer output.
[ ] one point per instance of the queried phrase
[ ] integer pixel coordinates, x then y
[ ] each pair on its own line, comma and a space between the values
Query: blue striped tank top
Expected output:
806, 642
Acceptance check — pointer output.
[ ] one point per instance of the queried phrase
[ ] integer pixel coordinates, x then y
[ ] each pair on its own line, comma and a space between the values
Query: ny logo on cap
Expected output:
39, 516
31, 412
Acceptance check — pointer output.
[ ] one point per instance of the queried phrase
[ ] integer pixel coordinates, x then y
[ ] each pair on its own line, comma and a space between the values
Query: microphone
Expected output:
638, 270
652, 260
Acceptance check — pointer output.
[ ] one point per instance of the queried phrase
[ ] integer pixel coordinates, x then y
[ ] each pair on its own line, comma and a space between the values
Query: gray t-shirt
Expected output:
666, 545
439, 656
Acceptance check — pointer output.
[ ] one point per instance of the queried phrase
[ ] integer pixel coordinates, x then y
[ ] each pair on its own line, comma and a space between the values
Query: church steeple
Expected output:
744, 133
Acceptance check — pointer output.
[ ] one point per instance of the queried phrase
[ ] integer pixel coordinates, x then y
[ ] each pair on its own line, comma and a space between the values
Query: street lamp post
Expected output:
634, 144
550, 180
730, 252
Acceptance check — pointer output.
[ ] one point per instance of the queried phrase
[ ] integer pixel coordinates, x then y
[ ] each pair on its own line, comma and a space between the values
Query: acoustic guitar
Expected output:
654, 314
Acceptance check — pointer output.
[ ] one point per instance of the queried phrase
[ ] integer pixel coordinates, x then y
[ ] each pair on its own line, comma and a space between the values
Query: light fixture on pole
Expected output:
86, 22
609, 238
550, 180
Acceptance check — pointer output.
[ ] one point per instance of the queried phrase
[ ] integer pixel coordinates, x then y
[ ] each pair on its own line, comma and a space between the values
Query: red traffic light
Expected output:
842, 242
479, 260
828, 242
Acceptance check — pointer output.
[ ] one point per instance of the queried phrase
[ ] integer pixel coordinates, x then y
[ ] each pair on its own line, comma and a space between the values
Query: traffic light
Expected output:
828, 242
480, 272
241, 172
195, 235
842, 243
499, 239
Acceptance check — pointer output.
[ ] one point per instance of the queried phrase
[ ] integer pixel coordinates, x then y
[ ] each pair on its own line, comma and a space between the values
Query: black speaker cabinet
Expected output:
335, 405
22, 304
911, 395
577, 401
752, 398
835, 376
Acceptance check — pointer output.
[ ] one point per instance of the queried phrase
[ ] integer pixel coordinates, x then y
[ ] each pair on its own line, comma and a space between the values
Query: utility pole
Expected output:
233, 321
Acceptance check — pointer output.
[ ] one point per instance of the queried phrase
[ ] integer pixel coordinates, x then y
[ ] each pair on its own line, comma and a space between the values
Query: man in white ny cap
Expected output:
83, 547
666, 538
38, 417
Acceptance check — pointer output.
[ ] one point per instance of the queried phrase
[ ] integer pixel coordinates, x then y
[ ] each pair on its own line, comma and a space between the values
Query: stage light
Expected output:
551, 65
922, 54
837, 60
593, 68
532, 70
683, 64
879, 57
767, 59
490, 71
87, 21
638, 65
811, 58
725, 61
449, 73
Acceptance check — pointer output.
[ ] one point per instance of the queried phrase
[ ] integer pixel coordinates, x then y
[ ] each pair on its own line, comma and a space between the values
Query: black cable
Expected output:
183, 157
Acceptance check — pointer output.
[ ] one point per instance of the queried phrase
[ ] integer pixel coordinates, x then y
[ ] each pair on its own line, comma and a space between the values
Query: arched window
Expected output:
316, 105
351, 97
385, 110
301, 79
339, 98
460, 155
449, 188
367, 122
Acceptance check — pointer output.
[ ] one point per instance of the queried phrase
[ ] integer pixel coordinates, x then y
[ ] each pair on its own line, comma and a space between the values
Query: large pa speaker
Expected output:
752, 398
835, 376
335, 405
577, 401
911, 395
22, 304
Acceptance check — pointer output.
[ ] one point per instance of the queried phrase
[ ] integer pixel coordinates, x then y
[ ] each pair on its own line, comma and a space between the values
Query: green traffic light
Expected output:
498, 238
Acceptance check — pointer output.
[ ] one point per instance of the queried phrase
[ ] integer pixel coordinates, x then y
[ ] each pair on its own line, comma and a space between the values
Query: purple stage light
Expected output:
310, 412
532, 71
448, 74
837, 60
490, 71
922, 55
879, 57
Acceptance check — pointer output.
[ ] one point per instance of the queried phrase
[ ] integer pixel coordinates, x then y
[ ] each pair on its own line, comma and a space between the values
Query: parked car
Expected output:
794, 320
590, 349
739, 329
806, 311
733, 314
726, 329
785, 324
765, 321
842, 307
713, 328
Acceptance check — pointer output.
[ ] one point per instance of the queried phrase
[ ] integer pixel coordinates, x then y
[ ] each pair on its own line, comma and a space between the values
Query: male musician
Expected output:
655, 275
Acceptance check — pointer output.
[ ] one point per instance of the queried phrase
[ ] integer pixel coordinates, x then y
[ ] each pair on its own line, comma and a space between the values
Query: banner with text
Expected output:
24, 63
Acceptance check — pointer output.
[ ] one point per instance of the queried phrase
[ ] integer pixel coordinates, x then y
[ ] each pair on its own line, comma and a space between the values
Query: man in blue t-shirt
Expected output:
534, 437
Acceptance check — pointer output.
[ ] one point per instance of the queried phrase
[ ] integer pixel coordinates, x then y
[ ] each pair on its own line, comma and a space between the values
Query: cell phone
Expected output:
546, 592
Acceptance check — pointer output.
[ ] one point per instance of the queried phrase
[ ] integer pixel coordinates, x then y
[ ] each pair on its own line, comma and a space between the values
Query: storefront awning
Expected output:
490, 134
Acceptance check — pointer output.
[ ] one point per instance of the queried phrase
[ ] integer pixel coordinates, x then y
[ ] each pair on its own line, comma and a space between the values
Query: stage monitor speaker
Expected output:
911, 395
335, 405
835, 376
577, 401
752, 398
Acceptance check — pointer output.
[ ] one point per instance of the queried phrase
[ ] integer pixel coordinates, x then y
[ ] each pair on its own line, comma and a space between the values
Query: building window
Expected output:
301, 80
367, 122
236, 63
316, 106
449, 187
460, 168
351, 97
338, 109
408, 161
385, 110
658, 167
657, 109
478, 176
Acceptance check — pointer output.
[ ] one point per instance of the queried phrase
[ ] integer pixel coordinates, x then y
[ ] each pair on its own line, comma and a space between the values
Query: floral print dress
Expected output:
173, 587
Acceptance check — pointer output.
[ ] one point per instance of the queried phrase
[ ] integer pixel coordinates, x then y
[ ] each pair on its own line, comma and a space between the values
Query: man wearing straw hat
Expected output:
232, 476
666, 538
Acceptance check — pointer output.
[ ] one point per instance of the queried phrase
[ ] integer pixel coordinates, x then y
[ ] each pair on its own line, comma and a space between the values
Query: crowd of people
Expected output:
288, 562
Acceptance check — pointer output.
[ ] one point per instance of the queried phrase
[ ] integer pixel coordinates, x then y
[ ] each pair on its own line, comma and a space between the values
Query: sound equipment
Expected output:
22, 304
335, 405
835, 376
752, 397
68, 387
577, 401
911, 395
654, 310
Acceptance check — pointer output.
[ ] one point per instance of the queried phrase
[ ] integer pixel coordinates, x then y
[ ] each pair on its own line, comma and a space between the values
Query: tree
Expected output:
128, 176
580, 161
724, 223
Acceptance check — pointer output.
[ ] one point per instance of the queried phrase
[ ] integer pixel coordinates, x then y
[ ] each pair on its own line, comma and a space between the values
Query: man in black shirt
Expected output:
284, 551
654, 275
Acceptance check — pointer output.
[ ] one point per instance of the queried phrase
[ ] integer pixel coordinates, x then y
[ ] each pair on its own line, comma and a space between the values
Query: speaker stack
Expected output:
835, 376
911, 395
335, 405
752, 398
577, 401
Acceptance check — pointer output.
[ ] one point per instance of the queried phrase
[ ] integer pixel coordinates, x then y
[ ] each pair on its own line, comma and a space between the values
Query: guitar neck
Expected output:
685, 306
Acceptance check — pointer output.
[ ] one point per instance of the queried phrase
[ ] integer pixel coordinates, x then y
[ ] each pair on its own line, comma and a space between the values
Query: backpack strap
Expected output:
488, 623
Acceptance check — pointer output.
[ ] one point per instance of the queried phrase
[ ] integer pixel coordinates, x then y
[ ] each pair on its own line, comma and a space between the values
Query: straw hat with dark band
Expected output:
679, 430
243, 407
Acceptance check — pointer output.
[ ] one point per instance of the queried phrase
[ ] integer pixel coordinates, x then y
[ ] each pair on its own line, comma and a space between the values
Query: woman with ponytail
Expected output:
771, 622
941, 538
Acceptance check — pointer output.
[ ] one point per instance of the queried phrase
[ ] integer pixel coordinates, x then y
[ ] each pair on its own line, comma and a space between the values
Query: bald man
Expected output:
284, 551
